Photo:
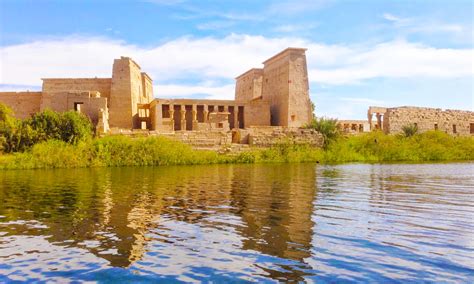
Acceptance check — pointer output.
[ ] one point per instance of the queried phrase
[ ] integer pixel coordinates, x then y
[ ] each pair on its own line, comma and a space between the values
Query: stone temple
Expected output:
276, 95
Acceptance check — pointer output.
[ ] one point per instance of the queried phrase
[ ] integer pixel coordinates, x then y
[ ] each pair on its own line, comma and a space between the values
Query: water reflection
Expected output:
246, 222
111, 212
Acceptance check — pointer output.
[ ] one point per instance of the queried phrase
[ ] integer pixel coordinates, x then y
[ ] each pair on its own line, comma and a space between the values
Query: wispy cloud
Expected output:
395, 19
215, 25
291, 28
420, 25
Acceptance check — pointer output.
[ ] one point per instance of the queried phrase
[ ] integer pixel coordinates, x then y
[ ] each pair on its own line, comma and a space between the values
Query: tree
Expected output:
326, 126
8, 128
19, 135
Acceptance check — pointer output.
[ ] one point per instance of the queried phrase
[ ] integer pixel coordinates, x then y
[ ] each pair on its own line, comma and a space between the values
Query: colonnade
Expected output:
196, 118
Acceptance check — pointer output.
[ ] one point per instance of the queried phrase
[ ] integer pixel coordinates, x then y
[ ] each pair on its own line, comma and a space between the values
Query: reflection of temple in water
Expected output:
112, 212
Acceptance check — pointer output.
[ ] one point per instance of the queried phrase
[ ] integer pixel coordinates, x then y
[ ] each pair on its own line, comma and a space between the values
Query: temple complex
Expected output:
276, 95
271, 103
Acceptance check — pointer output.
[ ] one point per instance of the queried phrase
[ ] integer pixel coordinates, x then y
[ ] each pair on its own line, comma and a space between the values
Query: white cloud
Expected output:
225, 92
199, 59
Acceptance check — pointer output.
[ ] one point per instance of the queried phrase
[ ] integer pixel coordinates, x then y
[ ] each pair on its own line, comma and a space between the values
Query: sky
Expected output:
360, 53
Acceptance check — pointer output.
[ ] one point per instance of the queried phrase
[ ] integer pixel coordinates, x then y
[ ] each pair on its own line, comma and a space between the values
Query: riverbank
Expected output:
116, 151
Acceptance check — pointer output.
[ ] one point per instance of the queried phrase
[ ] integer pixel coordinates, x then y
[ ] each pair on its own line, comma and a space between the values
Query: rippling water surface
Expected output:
289, 222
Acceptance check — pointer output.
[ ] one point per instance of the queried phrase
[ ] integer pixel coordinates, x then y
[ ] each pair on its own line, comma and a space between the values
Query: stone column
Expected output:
172, 116
379, 120
369, 117
183, 117
206, 113
195, 121
236, 117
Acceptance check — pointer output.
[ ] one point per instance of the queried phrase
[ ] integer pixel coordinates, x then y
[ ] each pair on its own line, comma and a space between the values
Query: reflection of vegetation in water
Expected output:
159, 151
113, 212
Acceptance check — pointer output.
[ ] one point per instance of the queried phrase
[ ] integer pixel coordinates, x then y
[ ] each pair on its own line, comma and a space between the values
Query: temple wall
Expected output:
257, 113
286, 87
299, 103
275, 89
101, 85
147, 85
23, 104
120, 105
90, 103
455, 122
248, 86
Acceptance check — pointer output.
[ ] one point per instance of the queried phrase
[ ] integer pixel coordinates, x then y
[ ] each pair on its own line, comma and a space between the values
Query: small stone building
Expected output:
277, 95
392, 120
353, 126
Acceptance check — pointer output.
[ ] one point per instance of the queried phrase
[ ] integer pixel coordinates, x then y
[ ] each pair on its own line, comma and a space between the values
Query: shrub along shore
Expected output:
65, 140
117, 151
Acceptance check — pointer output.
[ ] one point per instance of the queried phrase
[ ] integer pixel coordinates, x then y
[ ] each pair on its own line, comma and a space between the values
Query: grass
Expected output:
117, 151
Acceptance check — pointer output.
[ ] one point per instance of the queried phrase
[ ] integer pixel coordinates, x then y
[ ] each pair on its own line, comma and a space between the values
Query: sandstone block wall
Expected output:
129, 88
455, 122
275, 89
121, 114
283, 83
91, 103
248, 86
299, 103
257, 113
101, 85
202, 139
23, 104
268, 136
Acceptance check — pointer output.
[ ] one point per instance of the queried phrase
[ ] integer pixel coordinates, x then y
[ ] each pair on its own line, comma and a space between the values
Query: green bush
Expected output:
116, 151
18, 135
410, 130
327, 127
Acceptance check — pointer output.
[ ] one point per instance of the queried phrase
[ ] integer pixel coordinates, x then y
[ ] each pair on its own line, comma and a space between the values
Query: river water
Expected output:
220, 223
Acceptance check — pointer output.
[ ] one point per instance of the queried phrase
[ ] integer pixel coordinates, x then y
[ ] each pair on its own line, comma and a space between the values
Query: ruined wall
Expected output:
90, 103
101, 85
202, 139
271, 135
249, 85
299, 103
23, 104
455, 122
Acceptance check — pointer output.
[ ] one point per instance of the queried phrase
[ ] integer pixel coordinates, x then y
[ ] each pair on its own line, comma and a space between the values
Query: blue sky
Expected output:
360, 53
